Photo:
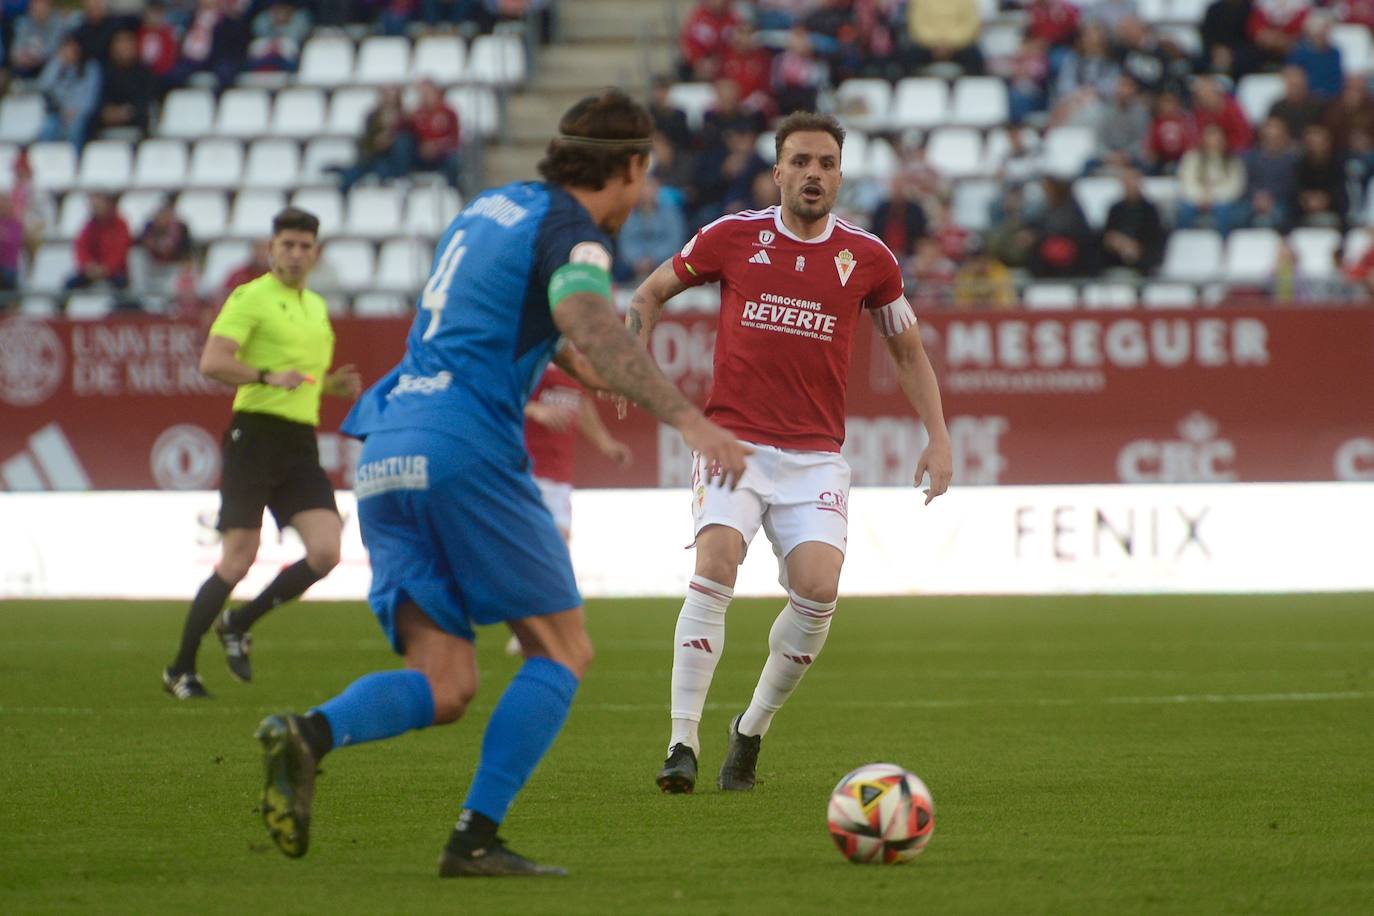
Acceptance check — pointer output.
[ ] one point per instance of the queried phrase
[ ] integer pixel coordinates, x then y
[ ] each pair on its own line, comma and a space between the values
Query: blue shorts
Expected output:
462, 534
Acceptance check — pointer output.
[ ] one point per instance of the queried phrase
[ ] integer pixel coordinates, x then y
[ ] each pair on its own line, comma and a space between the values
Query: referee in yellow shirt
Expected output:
273, 341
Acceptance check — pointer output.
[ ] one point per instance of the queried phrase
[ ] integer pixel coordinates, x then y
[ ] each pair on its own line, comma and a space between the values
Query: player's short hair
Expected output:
294, 218
806, 122
596, 139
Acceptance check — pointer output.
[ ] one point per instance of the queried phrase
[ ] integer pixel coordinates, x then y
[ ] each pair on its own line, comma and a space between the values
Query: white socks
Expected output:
793, 644
697, 644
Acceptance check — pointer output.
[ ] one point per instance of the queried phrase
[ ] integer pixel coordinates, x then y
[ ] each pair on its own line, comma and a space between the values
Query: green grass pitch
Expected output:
1086, 755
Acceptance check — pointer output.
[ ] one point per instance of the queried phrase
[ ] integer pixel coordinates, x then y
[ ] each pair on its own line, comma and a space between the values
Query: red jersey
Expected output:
438, 124
551, 451
787, 314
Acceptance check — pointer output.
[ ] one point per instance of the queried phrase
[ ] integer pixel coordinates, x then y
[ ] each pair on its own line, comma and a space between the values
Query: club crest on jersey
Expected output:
844, 263
801, 263
766, 237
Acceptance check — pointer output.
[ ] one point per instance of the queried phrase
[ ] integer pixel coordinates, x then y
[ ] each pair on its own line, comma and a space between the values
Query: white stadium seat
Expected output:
137, 207
106, 165
1316, 250
1357, 243
1251, 255
383, 60
997, 147
21, 116
1109, 296
1357, 50
216, 164
73, 214
380, 305
188, 114
920, 102
1256, 93
979, 101
1169, 296
326, 61
51, 267
243, 113
853, 156
351, 260
402, 266
251, 217
864, 103
1162, 191
1192, 254
1187, 37
477, 108
161, 164
323, 152
973, 202
326, 204
298, 112
1066, 151
955, 152
206, 213
442, 58
694, 100
1000, 39
89, 306
497, 60
38, 307
54, 165
882, 159
373, 212
273, 164
1096, 195
348, 111
1041, 296
429, 210
223, 257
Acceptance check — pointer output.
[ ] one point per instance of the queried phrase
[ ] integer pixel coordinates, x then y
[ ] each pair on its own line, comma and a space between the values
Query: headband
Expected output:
606, 142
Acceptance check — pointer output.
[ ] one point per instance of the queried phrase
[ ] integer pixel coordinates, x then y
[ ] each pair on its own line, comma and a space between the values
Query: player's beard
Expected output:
806, 210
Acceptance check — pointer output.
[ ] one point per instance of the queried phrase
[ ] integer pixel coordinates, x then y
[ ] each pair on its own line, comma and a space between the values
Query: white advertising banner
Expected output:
974, 540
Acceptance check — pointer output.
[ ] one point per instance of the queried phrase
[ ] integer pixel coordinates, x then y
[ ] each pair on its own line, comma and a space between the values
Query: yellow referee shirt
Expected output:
279, 328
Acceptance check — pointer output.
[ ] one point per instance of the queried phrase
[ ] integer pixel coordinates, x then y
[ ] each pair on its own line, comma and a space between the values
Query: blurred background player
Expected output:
451, 517
273, 341
794, 280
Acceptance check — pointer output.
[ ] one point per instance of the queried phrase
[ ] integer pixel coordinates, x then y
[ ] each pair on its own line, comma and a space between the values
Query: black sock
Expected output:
474, 831
318, 734
290, 583
209, 601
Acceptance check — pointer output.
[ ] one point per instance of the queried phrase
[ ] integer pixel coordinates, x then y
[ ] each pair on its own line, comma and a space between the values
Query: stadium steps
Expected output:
616, 20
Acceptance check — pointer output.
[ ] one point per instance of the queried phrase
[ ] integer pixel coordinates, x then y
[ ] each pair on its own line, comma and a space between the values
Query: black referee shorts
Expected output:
270, 463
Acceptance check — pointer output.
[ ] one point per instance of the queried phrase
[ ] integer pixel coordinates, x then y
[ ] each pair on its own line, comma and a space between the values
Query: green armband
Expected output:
578, 278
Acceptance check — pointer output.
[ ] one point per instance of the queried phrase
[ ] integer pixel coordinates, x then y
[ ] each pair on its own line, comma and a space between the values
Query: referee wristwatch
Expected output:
262, 376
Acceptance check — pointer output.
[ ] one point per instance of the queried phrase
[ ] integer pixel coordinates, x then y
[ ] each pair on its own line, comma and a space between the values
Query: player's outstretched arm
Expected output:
917, 378
590, 425
579, 367
646, 305
220, 361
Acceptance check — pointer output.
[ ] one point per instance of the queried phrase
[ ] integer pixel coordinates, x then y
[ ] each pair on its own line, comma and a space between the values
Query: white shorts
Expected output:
795, 496
558, 498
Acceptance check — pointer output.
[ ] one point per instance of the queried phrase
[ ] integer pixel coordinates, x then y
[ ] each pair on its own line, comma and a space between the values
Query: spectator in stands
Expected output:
95, 30
750, 68
214, 43
1170, 136
983, 282
1054, 22
654, 231
1352, 110
1064, 244
1274, 27
868, 43
1124, 127
1321, 195
728, 185
779, 15
1359, 168
765, 192
899, 220
705, 36
279, 33
71, 88
1357, 12
1133, 237
945, 229
34, 206
163, 253
1011, 237
37, 34
672, 165
726, 114
1211, 185
128, 89
1271, 172
1211, 105
257, 265
1138, 54
157, 42
1112, 14
386, 148
1318, 58
1028, 74
944, 32
799, 76
668, 119
1360, 273
438, 141
1225, 46
1297, 108
1086, 70
102, 248
467, 15
933, 272
11, 245
1178, 63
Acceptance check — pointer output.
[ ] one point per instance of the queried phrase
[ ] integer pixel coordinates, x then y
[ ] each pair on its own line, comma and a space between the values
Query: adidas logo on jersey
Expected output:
760, 257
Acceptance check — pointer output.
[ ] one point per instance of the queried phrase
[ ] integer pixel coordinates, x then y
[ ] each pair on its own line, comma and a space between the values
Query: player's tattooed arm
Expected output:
579, 367
917, 379
646, 305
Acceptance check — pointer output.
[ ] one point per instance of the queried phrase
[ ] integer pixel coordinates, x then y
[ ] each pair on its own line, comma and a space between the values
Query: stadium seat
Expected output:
216, 164
1357, 243
137, 207
326, 204
273, 164
766, 147
251, 216
51, 267
326, 60
429, 210
380, 305
188, 114
243, 113
383, 61
298, 112
864, 103
222, 257
54, 165
882, 159
351, 261
1256, 93
694, 100
973, 202
348, 111
1251, 255
1186, 36
106, 165
1067, 150
206, 213
442, 58
920, 102
1109, 296
1357, 50
1169, 296
89, 306
477, 109
21, 116
73, 214
373, 212
997, 147
323, 152
854, 162
1096, 195
160, 164
402, 266
38, 307
1316, 250
1043, 296
497, 60
1001, 40
1162, 191
979, 101
955, 152
1193, 255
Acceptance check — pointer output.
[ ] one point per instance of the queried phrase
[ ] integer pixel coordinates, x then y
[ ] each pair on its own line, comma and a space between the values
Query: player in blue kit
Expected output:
455, 526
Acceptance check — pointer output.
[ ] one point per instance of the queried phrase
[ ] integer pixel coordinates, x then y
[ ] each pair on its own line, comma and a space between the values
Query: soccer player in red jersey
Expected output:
794, 281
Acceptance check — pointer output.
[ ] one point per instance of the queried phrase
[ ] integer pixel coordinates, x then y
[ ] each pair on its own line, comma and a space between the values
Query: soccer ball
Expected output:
881, 813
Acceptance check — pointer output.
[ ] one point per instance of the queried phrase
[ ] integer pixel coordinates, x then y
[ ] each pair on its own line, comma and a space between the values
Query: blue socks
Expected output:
526, 720
380, 705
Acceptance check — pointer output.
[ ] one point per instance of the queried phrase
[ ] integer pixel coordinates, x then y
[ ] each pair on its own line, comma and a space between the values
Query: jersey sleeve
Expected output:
237, 318
700, 259
886, 302
572, 256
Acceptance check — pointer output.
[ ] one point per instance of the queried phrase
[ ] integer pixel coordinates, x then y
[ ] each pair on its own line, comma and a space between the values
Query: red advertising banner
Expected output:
1043, 397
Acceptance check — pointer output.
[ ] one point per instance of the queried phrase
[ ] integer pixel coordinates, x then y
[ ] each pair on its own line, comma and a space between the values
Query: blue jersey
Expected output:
484, 330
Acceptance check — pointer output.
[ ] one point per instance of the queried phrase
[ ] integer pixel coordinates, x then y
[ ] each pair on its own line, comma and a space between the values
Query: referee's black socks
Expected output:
209, 601
290, 583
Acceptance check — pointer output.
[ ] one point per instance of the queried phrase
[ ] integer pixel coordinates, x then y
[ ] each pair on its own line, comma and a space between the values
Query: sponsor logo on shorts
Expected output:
399, 472
422, 384
834, 501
